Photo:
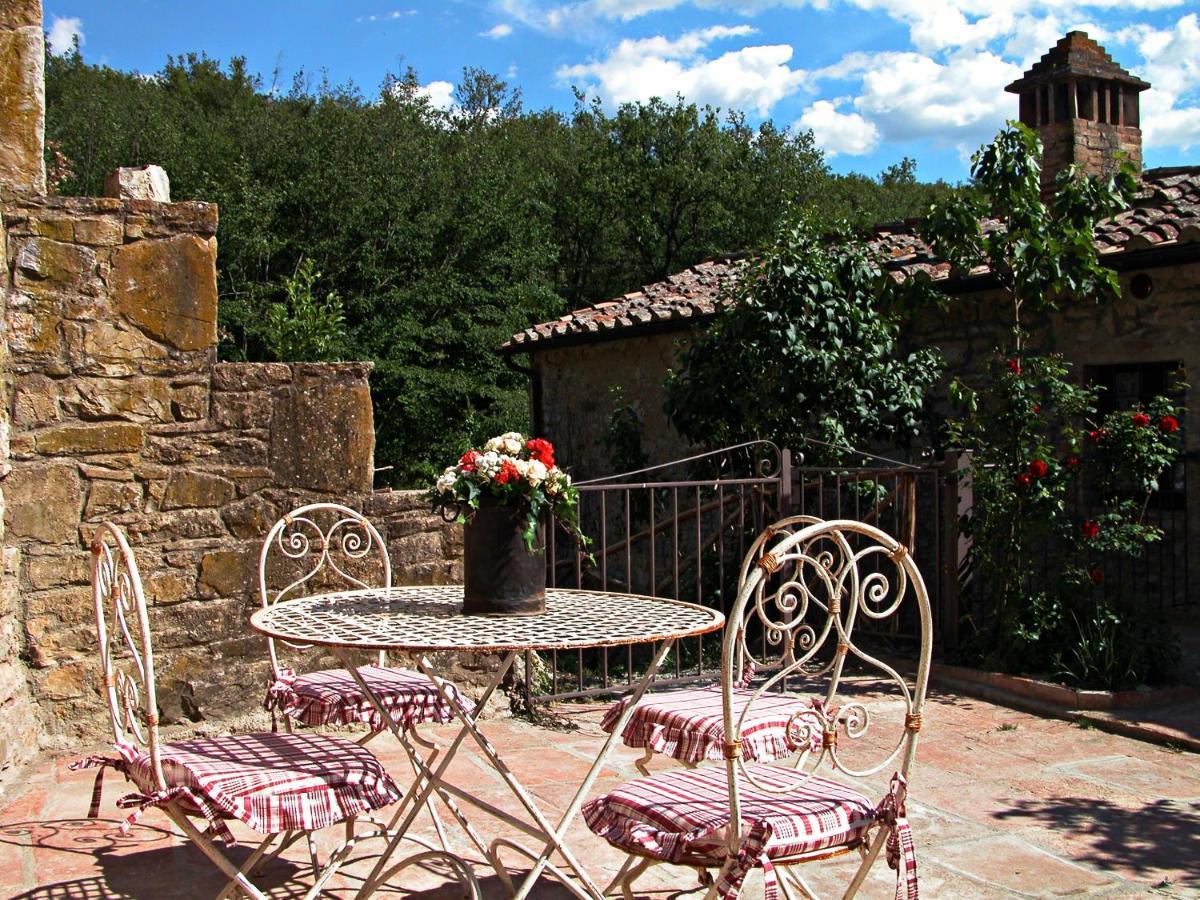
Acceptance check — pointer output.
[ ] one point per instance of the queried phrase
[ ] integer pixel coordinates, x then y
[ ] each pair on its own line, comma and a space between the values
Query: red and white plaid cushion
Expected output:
682, 813
333, 697
272, 782
688, 725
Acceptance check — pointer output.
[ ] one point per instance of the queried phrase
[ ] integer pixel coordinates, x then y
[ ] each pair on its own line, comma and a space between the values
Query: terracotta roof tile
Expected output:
1166, 211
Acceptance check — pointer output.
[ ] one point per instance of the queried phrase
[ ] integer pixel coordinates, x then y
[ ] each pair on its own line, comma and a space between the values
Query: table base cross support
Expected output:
550, 837
428, 619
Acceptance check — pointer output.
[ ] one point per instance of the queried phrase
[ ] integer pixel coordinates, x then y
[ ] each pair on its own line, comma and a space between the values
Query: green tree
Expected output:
805, 355
304, 328
444, 231
1039, 250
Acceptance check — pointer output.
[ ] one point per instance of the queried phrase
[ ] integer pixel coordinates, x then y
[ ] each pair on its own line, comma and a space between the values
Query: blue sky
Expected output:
875, 80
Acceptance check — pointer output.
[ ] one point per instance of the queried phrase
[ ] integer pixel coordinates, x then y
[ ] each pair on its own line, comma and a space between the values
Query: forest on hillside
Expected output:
439, 233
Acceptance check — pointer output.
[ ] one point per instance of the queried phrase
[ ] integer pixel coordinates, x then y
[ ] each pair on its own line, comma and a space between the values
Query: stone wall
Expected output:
22, 96
1163, 327
18, 718
120, 412
578, 398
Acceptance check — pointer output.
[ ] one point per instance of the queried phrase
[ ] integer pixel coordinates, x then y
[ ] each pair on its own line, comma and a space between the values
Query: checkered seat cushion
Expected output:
689, 726
333, 697
272, 782
682, 816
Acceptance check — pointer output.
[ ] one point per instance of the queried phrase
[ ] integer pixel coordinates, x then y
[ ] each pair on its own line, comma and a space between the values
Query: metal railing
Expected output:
681, 530
675, 530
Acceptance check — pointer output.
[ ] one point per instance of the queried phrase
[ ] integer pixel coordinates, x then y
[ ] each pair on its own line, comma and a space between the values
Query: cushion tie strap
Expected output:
752, 853
280, 690
901, 851
100, 763
280, 694
139, 803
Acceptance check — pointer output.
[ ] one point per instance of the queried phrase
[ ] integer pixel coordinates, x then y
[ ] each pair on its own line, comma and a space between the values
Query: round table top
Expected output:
431, 618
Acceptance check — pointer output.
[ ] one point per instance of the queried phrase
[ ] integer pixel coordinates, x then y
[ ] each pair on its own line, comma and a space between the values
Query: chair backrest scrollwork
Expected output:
321, 540
810, 588
126, 654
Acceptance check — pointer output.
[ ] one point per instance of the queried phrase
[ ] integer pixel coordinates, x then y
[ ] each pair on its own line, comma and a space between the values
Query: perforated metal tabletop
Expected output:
429, 618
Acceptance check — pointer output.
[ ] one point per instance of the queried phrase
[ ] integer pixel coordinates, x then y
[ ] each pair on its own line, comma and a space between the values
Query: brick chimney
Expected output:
1083, 106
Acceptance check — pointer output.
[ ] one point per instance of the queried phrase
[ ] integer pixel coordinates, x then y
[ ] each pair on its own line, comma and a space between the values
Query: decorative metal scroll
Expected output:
808, 587
126, 656
325, 539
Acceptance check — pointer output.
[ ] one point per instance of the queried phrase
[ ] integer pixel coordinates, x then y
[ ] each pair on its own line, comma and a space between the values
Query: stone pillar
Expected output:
18, 722
22, 96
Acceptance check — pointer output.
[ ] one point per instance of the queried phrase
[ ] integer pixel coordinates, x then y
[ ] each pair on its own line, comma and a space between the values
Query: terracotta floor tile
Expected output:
1009, 862
1039, 809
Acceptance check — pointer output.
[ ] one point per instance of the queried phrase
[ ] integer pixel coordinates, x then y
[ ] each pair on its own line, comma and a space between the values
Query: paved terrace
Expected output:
1006, 805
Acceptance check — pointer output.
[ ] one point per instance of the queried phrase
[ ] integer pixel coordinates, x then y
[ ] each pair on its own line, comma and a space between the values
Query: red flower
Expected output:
1023, 480
1036, 409
541, 450
1168, 424
1014, 366
1038, 468
1072, 460
468, 460
1097, 576
1091, 529
1140, 420
1097, 435
508, 472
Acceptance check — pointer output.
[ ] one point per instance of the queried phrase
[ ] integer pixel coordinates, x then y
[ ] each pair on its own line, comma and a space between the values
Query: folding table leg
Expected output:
422, 789
555, 837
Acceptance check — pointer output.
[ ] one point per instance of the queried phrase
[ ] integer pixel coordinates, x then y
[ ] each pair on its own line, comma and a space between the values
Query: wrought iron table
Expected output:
424, 620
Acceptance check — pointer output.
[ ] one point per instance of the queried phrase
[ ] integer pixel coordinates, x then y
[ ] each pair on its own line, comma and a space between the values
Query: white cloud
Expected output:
387, 16
63, 32
1172, 66
933, 24
838, 132
913, 96
440, 94
755, 77
497, 31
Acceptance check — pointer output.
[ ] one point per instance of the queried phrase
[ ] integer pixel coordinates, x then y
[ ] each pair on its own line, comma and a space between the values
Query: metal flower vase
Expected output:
501, 576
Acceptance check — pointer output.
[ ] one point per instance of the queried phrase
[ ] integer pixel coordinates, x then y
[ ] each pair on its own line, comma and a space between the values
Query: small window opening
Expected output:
1083, 98
1062, 103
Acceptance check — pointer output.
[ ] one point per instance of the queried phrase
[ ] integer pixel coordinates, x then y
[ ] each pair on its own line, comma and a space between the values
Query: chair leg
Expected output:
641, 761
237, 876
311, 839
788, 878
868, 860
411, 752
336, 859
461, 870
251, 866
635, 872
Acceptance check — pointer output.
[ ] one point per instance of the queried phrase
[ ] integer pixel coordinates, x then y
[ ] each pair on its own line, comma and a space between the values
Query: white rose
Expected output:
488, 464
535, 472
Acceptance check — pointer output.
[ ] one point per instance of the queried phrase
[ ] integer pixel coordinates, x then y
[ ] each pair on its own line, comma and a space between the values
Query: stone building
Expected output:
1086, 109
115, 408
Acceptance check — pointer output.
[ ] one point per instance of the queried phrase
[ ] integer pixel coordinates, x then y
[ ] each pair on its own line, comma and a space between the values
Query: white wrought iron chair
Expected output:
324, 543
819, 594
688, 726
281, 785
335, 543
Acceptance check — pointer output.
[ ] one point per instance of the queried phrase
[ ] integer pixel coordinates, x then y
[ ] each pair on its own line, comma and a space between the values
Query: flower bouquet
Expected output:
502, 494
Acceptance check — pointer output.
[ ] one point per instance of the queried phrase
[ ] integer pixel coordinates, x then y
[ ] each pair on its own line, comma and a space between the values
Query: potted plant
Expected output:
502, 495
